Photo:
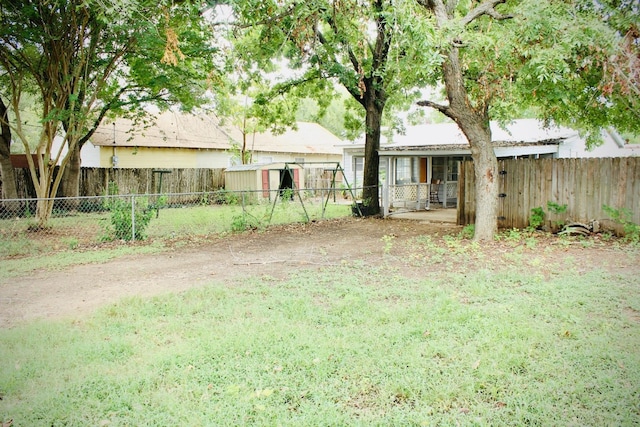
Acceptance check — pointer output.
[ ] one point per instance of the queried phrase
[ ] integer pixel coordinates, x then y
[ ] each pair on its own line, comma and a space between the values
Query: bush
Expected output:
122, 220
224, 197
536, 220
623, 216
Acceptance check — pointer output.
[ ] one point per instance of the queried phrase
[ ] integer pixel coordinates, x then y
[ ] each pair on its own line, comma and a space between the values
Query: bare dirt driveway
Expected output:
79, 290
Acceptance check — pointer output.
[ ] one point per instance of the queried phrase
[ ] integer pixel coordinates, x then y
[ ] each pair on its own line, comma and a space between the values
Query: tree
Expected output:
542, 54
9, 189
331, 118
89, 59
365, 47
621, 68
240, 102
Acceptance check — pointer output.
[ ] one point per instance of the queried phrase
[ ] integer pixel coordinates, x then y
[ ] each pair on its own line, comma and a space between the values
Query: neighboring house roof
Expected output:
520, 137
178, 130
448, 138
167, 130
307, 138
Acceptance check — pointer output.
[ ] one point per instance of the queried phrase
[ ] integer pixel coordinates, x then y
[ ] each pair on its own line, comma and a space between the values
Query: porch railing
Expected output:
416, 196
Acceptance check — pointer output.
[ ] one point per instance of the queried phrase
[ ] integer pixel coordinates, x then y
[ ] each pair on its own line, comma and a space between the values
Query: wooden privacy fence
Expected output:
95, 181
584, 185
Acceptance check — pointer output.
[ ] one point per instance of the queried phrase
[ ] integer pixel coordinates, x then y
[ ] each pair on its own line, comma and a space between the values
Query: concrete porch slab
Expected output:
433, 215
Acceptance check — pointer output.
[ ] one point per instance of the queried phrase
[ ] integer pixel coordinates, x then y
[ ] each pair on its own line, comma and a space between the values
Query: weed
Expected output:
387, 239
245, 222
467, 231
225, 197
531, 242
72, 243
454, 244
536, 220
286, 195
606, 236
622, 216
557, 209
129, 219
512, 235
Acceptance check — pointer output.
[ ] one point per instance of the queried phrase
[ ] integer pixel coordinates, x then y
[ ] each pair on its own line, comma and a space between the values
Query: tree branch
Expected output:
352, 58
486, 8
444, 109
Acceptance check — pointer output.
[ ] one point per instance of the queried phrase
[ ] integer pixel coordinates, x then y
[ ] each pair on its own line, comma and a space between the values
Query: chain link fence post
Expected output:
133, 218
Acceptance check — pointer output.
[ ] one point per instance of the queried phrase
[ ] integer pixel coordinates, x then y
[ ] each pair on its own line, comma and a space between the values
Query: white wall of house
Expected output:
96, 156
612, 146
353, 166
90, 156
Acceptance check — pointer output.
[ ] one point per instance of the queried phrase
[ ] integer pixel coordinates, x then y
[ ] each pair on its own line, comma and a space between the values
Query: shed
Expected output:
264, 178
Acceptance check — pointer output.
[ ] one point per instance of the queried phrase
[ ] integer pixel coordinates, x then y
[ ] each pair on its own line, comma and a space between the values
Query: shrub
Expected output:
622, 216
224, 197
124, 216
536, 220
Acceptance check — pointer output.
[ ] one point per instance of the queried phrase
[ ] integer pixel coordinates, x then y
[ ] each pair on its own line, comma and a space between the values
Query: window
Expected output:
358, 171
407, 170
445, 168
265, 159
299, 160
452, 168
438, 168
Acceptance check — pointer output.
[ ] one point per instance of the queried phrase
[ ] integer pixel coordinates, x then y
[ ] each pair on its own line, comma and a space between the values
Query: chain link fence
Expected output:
84, 222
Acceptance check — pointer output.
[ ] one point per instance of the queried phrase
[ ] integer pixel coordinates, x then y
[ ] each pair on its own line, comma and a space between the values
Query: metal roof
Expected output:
448, 138
180, 130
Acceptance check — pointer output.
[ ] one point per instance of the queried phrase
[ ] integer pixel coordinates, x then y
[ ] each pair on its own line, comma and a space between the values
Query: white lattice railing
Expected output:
450, 192
412, 196
416, 196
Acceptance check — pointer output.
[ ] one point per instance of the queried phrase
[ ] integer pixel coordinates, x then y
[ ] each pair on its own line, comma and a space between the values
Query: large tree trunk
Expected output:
373, 122
473, 120
71, 178
7, 173
485, 167
9, 188
474, 123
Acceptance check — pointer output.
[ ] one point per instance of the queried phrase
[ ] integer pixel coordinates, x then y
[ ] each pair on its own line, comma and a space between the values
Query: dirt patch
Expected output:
79, 290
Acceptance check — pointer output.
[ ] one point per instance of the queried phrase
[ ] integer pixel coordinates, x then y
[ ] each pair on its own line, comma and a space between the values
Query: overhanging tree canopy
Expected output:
502, 57
89, 59
374, 49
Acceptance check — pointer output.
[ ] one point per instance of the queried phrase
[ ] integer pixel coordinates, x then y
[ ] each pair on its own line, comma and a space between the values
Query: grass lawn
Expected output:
349, 345
82, 230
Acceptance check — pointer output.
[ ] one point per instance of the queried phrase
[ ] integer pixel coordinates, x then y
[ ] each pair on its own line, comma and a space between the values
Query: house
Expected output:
179, 140
421, 165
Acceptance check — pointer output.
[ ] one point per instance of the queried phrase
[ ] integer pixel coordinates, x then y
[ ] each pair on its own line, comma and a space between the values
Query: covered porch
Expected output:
419, 182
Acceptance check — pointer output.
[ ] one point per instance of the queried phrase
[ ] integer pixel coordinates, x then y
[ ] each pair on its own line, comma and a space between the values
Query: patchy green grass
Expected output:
59, 260
79, 239
349, 345
217, 219
79, 231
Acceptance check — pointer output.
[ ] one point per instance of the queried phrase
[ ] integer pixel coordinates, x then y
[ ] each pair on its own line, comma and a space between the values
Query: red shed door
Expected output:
296, 178
265, 183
